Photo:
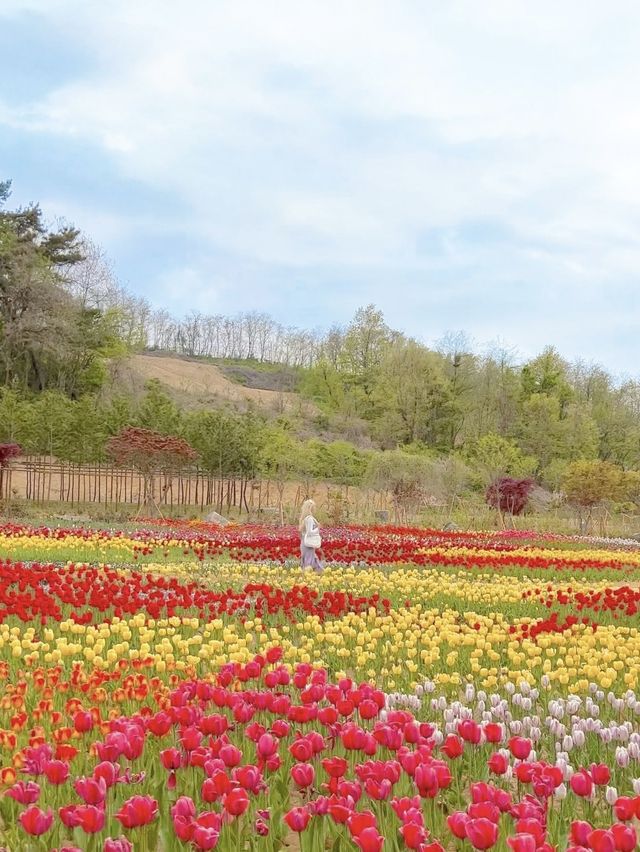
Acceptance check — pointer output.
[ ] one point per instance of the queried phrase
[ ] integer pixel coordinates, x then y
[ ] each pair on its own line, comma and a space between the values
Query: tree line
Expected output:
387, 407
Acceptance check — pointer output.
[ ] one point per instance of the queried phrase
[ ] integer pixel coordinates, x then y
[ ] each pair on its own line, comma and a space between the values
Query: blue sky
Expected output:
463, 165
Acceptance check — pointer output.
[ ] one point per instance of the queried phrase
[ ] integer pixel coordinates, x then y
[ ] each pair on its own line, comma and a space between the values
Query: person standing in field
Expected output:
310, 540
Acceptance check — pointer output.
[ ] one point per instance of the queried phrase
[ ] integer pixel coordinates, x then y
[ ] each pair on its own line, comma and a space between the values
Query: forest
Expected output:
386, 407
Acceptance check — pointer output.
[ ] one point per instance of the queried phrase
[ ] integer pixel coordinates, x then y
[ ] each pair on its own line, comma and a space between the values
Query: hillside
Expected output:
194, 381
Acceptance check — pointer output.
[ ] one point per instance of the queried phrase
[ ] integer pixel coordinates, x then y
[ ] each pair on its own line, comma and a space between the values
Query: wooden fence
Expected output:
46, 480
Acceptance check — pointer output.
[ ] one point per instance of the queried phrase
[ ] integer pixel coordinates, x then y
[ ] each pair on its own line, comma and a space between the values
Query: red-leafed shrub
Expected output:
151, 453
509, 496
8, 452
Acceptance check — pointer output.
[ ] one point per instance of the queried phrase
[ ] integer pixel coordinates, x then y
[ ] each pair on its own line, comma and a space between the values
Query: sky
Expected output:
462, 165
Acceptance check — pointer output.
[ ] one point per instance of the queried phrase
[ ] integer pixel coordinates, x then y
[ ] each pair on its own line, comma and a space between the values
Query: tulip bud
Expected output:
622, 757
611, 795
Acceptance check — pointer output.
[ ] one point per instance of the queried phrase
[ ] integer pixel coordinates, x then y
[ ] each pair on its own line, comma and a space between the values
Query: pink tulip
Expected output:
36, 822
297, 819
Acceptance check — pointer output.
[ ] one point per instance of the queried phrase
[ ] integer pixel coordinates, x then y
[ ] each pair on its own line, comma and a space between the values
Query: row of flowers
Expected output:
261, 749
352, 545
86, 615
46, 592
394, 646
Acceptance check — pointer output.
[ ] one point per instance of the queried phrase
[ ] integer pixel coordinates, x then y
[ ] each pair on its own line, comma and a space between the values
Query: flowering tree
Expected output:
509, 496
7, 453
150, 453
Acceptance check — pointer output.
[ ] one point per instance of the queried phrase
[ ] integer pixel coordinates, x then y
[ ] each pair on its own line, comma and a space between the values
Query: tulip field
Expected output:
190, 688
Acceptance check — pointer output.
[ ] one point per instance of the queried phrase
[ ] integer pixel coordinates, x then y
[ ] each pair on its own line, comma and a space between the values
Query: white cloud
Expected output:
336, 135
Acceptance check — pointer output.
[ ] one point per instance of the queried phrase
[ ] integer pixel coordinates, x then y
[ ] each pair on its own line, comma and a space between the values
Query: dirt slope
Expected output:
204, 382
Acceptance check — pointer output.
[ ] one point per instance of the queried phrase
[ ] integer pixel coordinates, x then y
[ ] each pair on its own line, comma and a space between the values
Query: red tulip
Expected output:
493, 732
452, 747
580, 832
498, 763
65, 752
426, 780
205, 838
530, 825
274, 655
378, 790
470, 731
581, 784
359, 820
92, 790
600, 774
520, 747
335, 767
171, 758
267, 746
522, 842
230, 755
236, 802
249, 777
69, 816
368, 709
57, 771
109, 772
625, 808
184, 807
482, 833
369, 840
297, 819
160, 724
457, 823
137, 811
190, 738
83, 722
280, 728
602, 840
24, 792
303, 775
36, 822
339, 811
402, 805
624, 836
120, 844
91, 818
414, 835
484, 810
183, 828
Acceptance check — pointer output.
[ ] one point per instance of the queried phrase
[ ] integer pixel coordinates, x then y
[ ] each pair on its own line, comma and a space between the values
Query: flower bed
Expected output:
191, 702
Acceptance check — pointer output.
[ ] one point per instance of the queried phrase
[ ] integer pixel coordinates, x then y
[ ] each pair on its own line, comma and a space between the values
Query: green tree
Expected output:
403, 475
540, 430
228, 444
365, 342
547, 374
589, 483
579, 438
414, 396
493, 456
325, 385
86, 428
158, 411
280, 459
338, 462
35, 311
